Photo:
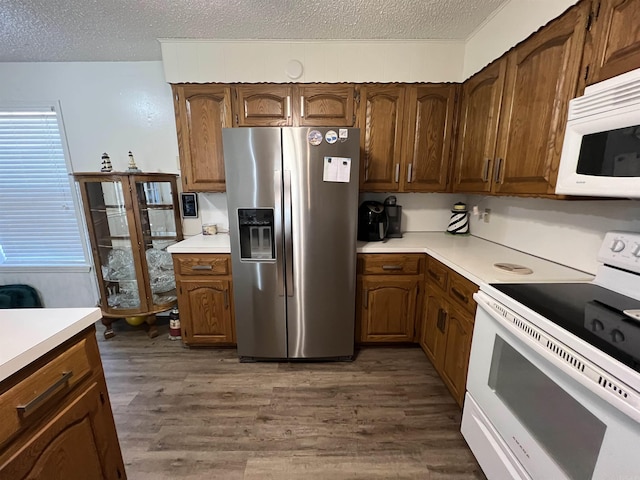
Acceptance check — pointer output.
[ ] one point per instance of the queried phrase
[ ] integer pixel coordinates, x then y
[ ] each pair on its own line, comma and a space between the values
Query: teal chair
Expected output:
19, 296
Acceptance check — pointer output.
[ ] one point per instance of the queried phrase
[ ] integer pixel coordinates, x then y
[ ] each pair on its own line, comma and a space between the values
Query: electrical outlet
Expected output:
486, 216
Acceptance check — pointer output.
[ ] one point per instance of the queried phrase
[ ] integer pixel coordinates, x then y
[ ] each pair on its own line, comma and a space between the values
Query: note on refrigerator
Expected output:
337, 169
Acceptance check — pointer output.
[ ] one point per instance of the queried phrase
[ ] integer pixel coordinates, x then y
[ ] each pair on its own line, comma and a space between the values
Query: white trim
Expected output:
45, 269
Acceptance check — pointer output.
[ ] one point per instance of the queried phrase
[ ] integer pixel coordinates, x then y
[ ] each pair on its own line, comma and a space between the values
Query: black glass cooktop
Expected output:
588, 311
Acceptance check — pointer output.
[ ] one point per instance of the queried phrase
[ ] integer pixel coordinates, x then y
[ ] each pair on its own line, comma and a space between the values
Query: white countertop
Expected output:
470, 256
474, 258
218, 243
29, 333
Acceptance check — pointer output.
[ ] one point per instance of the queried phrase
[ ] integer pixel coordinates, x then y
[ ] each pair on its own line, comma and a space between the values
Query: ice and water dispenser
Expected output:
256, 234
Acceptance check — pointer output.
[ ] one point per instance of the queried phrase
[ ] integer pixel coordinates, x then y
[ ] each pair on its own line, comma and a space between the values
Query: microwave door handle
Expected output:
277, 220
288, 239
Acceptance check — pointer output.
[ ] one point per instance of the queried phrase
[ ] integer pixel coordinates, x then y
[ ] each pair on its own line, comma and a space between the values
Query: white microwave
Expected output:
601, 150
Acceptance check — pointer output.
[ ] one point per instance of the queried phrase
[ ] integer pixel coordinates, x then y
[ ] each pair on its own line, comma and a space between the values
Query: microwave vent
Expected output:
608, 96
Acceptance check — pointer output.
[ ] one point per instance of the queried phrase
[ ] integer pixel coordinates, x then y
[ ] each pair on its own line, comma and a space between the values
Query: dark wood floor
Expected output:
200, 414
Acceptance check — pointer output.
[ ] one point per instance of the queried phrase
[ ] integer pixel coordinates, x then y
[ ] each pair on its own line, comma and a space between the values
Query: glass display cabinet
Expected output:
132, 218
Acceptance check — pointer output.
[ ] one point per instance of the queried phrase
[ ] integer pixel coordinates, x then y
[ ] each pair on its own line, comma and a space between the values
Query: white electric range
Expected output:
553, 389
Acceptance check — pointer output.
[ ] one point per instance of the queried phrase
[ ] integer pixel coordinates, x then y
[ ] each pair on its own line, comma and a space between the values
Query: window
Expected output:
38, 221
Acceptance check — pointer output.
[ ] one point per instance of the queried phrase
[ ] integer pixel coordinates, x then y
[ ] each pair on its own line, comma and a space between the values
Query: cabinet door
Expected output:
202, 111
477, 134
205, 312
74, 444
388, 308
263, 105
325, 105
431, 111
617, 39
456, 352
542, 76
381, 118
433, 339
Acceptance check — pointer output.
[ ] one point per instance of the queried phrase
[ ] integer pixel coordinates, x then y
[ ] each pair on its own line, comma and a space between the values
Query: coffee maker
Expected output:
372, 221
394, 216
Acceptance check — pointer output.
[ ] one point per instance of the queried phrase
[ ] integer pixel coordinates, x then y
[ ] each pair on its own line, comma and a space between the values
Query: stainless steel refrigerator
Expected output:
292, 197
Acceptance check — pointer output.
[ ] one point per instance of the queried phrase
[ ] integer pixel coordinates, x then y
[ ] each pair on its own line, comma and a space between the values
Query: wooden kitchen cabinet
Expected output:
205, 298
406, 134
616, 39
202, 111
429, 133
542, 76
511, 134
478, 130
57, 420
381, 123
448, 325
263, 105
324, 105
388, 297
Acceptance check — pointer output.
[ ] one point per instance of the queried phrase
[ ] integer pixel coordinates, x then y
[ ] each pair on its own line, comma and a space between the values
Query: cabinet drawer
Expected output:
189, 265
461, 291
390, 264
437, 274
27, 400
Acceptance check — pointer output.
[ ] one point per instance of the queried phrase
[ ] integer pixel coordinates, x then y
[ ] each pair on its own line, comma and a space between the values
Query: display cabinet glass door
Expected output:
113, 244
158, 223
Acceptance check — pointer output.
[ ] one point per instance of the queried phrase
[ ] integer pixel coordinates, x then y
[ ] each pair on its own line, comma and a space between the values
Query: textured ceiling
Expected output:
111, 30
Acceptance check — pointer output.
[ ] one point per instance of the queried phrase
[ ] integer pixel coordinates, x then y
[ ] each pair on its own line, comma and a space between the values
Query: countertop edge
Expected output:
36, 351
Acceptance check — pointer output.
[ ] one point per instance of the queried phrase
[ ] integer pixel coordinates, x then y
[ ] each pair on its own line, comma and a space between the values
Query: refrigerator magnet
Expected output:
331, 136
343, 133
314, 137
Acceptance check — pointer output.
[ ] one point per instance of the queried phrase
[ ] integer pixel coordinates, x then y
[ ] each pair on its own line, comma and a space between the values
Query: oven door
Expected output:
538, 417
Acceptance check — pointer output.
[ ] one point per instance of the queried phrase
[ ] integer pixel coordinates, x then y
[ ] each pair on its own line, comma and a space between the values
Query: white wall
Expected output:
569, 232
511, 24
203, 61
109, 107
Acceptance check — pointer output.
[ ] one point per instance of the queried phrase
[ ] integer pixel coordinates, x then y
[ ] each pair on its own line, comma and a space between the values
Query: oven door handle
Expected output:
581, 370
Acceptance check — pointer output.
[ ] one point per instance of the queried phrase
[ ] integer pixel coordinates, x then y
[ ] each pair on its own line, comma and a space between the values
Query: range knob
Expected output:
617, 245
617, 336
597, 325
635, 251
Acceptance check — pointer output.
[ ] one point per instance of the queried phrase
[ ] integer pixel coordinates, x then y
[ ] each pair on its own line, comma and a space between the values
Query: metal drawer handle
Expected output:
202, 267
392, 267
442, 318
366, 299
434, 275
460, 295
485, 171
31, 405
226, 299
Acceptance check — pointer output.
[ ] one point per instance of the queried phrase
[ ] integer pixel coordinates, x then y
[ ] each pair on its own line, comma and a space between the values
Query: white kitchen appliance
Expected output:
601, 150
553, 389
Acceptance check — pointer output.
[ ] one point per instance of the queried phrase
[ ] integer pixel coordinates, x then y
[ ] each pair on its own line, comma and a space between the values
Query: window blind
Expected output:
38, 222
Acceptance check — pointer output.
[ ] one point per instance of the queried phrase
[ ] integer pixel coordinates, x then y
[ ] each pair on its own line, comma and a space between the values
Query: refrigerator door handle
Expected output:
288, 240
277, 201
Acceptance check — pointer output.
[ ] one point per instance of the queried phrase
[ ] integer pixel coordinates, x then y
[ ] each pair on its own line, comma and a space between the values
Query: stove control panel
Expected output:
622, 250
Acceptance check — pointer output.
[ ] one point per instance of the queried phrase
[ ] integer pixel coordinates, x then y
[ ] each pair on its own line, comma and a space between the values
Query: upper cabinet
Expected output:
616, 39
405, 136
540, 76
277, 105
201, 113
381, 122
430, 111
264, 105
478, 130
325, 105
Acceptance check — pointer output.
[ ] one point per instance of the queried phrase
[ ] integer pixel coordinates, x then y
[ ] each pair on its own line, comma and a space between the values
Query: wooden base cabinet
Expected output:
388, 297
65, 431
205, 299
448, 325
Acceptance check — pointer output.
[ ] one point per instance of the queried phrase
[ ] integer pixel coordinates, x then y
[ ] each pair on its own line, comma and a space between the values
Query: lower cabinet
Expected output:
448, 325
57, 420
388, 297
205, 298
